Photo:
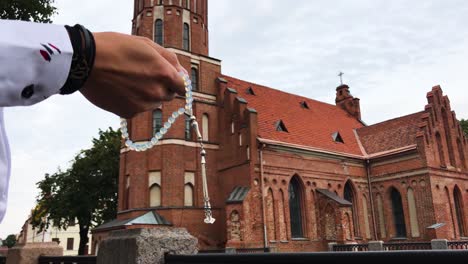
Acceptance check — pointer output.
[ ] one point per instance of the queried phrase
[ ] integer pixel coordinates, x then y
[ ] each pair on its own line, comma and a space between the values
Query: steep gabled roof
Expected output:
391, 134
311, 127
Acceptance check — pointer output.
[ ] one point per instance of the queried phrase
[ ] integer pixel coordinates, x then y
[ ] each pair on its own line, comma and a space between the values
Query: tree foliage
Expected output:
10, 241
464, 125
87, 191
28, 10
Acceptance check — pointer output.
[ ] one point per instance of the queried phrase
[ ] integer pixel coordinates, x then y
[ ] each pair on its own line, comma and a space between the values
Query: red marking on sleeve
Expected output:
57, 49
45, 55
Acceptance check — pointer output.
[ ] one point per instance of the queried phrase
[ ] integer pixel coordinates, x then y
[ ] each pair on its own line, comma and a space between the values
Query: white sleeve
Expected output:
4, 167
35, 61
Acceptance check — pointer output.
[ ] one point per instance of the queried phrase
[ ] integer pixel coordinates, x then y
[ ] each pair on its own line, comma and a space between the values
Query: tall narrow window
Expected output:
187, 4
383, 230
127, 193
189, 181
398, 214
155, 195
349, 195
157, 121
295, 208
448, 137
413, 214
440, 147
158, 32
186, 37
70, 242
188, 128
141, 4
461, 152
194, 79
457, 197
205, 127
232, 127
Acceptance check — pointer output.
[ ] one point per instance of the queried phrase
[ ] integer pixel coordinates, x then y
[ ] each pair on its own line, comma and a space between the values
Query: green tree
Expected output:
10, 241
464, 125
87, 191
28, 10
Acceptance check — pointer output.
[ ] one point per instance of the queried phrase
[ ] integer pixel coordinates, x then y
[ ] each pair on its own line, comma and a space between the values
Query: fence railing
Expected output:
351, 247
252, 250
454, 256
407, 246
458, 244
67, 260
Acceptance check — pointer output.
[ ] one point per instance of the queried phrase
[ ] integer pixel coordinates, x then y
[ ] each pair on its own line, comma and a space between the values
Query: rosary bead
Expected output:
167, 125
181, 111
158, 135
171, 120
154, 141
163, 131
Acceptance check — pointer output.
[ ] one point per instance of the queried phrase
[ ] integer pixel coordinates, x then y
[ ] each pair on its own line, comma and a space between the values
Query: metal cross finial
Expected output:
341, 77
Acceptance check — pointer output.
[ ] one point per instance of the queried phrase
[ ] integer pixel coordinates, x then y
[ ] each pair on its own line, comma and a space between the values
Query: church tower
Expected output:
163, 185
180, 24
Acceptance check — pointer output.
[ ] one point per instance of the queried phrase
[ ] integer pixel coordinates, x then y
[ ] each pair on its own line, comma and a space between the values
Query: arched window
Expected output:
448, 137
158, 32
461, 152
194, 79
380, 210
440, 147
155, 195
398, 214
157, 121
457, 198
413, 214
295, 208
349, 195
188, 128
188, 194
186, 37
205, 127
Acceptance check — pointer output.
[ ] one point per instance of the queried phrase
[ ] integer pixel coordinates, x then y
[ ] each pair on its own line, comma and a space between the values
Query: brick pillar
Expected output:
29, 253
439, 244
145, 246
375, 245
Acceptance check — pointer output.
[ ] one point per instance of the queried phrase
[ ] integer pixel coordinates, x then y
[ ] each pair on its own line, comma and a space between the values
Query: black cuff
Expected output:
84, 52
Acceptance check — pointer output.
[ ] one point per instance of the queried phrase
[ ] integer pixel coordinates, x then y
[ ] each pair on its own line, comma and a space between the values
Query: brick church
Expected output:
285, 171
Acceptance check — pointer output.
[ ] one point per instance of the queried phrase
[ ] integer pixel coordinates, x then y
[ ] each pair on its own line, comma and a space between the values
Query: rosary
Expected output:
188, 111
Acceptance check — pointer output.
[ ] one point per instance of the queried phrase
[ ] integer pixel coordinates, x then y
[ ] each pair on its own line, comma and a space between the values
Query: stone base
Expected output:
29, 253
145, 246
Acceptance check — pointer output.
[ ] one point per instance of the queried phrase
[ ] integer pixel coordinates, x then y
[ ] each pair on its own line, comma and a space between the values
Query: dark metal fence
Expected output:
407, 246
351, 247
428, 256
458, 244
252, 250
68, 260
2, 259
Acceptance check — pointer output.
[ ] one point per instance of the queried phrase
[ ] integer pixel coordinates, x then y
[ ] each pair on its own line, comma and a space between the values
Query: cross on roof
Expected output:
341, 77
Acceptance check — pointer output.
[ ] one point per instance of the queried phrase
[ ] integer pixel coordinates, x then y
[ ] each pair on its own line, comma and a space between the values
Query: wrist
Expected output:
84, 53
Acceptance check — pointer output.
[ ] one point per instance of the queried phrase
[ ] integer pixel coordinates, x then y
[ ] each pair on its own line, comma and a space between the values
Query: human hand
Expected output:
131, 74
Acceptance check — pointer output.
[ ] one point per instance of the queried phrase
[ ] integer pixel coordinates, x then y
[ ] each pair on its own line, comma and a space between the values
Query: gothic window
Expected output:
189, 181
349, 195
398, 214
232, 127
194, 79
457, 197
188, 194
240, 139
157, 121
448, 137
413, 214
295, 208
380, 210
186, 37
127, 193
188, 128
205, 127
461, 153
155, 195
441, 150
158, 32
280, 126
234, 230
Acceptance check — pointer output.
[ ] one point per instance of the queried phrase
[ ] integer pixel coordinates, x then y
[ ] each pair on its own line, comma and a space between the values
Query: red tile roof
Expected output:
311, 127
391, 134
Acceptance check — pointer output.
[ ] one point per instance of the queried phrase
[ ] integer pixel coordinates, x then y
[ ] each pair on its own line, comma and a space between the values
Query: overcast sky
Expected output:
392, 53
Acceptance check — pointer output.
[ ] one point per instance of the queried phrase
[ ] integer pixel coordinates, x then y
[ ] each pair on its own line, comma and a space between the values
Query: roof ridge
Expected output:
393, 119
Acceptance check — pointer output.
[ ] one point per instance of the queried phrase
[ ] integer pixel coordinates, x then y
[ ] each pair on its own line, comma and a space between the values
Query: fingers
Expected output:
178, 83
